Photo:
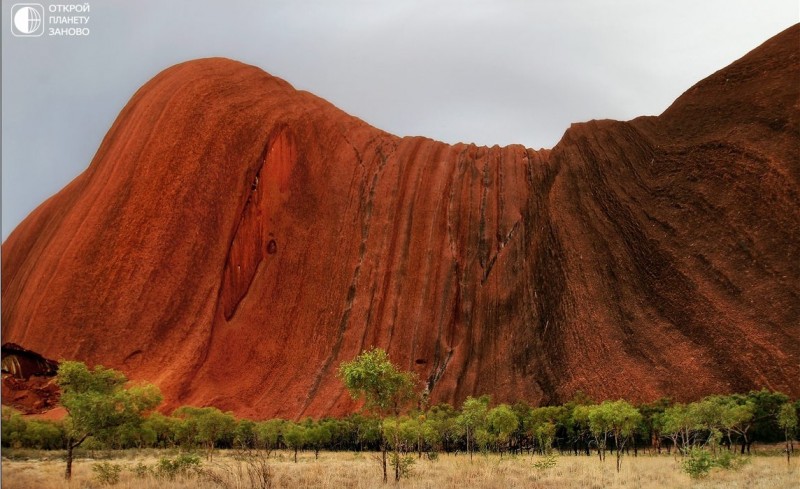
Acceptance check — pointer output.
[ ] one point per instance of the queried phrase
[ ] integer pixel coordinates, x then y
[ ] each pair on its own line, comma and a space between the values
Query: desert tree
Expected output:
411, 433
502, 423
268, 434
318, 435
365, 429
576, 422
14, 427
541, 425
652, 416
206, 426
244, 436
735, 417
97, 402
164, 428
680, 424
402, 435
295, 436
523, 412
625, 420
764, 426
709, 414
617, 419
384, 388
443, 425
30, 433
472, 419
581, 432
787, 420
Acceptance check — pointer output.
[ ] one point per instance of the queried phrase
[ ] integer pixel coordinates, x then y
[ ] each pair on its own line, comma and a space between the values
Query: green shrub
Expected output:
44, 435
730, 461
107, 473
184, 465
698, 463
547, 462
141, 470
402, 465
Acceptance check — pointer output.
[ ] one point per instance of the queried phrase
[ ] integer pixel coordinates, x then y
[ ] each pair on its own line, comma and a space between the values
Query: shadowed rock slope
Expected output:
234, 240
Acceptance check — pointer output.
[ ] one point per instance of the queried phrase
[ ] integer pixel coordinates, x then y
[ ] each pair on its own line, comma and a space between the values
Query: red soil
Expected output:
234, 240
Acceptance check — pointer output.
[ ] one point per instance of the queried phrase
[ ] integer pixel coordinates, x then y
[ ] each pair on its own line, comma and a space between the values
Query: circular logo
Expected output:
27, 20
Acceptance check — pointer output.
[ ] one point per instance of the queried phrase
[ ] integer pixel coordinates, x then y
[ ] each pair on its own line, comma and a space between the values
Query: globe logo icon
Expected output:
27, 20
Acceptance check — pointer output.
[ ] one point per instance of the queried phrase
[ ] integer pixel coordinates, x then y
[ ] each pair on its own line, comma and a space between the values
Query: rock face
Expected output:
234, 240
28, 380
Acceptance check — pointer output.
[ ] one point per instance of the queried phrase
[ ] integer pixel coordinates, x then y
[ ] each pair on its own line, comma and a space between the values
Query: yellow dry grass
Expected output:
357, 471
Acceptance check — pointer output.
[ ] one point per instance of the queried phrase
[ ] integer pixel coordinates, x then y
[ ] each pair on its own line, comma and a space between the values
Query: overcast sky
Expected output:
488, 72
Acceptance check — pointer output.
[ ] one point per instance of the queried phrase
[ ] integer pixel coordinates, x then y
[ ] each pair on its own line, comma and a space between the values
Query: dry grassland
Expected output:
43, 470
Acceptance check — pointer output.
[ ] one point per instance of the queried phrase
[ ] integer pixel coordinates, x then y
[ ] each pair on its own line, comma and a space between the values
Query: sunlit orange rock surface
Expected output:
234, 240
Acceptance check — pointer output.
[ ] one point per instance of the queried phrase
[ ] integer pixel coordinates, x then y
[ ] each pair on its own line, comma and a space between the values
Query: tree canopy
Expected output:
98, 403
373, 377
384, 388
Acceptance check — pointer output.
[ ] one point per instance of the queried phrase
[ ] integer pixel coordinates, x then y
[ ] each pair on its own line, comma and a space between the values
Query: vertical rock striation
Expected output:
234, 240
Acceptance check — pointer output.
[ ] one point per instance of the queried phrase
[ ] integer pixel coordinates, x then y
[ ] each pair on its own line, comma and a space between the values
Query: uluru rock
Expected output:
234, 240
28, 380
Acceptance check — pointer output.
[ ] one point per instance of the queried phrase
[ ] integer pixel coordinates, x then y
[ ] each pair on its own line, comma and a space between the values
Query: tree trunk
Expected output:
788, 452
70, 446
746, 445
295, 454
383, 450
468, 447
